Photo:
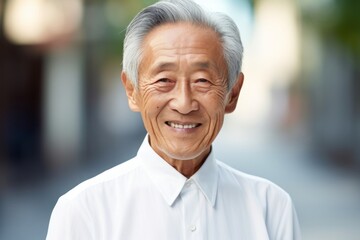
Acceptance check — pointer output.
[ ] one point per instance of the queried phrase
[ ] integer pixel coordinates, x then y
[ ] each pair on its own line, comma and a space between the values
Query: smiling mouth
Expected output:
182, 126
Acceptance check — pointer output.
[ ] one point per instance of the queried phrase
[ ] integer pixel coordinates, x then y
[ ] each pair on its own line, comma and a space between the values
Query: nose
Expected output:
183, 100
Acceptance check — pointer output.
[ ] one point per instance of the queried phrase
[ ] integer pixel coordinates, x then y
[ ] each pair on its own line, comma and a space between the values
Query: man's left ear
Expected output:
234, 94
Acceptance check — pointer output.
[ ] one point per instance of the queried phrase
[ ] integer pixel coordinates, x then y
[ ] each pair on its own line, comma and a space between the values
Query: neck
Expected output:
187, 167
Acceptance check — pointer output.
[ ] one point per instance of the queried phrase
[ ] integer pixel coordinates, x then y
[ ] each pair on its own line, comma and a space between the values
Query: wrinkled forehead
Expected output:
185, 25
197, 46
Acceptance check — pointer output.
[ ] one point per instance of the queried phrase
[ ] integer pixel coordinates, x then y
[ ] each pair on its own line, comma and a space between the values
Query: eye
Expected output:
164, 80
202, 80
164, 84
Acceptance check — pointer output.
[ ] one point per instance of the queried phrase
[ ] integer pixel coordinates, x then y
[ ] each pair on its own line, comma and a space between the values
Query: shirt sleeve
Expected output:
69, 221
282, 219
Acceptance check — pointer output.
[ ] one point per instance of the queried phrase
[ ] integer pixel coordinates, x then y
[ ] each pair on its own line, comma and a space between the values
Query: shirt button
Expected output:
193, 228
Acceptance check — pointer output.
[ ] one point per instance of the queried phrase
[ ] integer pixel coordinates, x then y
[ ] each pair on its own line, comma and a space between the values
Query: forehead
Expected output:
178, 28
168, 42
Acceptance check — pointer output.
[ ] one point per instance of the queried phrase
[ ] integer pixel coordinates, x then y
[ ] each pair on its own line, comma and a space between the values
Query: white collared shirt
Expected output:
146, 198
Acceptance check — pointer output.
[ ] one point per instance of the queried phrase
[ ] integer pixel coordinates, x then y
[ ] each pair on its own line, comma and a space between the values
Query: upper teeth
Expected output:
176, 125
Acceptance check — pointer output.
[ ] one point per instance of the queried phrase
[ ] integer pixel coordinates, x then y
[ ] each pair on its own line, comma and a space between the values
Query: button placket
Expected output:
190, 197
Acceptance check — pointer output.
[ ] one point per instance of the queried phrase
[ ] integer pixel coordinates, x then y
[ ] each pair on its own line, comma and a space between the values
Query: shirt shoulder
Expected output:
256, 193
259, 186
92, 203
108, 177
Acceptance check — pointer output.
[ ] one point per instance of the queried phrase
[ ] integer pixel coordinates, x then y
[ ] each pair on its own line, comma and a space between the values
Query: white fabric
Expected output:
146, 198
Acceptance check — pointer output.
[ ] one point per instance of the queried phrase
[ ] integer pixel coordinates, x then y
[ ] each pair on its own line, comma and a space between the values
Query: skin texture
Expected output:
182, 93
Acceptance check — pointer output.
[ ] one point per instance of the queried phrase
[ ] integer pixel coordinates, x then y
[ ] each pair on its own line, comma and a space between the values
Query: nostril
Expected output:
185, 106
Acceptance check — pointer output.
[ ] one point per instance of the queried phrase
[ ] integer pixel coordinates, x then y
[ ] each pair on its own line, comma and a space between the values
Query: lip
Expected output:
182, 125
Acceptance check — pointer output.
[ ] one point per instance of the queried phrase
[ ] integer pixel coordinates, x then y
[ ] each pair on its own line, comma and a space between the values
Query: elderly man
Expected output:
182, 72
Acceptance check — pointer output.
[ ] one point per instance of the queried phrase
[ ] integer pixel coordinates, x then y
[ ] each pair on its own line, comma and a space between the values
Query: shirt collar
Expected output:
170, 182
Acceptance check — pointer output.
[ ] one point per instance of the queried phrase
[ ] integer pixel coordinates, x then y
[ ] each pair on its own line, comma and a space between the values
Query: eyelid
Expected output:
164, 79
202, 80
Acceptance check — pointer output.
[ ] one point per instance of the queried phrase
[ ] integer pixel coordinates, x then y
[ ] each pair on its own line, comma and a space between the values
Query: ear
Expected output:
130, 92
234, 94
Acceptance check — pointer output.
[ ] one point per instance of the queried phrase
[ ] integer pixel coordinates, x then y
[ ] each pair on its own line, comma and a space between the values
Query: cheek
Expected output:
217, 101
216, 109
149, 98
152, 105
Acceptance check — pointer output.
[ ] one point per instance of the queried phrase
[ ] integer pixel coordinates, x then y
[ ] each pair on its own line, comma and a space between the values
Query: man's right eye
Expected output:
165, 81
164, 84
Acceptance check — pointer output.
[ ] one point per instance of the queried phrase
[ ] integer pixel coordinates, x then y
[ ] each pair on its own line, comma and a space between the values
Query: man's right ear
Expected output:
131, 92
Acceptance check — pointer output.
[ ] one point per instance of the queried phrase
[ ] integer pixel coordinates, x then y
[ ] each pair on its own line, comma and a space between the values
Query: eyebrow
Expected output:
203, 65
161, 66
164, 66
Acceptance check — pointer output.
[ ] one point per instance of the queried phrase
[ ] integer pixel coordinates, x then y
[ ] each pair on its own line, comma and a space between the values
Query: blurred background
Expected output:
64, 115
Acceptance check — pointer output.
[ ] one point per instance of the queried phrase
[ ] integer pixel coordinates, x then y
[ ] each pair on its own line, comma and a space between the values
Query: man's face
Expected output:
182, 91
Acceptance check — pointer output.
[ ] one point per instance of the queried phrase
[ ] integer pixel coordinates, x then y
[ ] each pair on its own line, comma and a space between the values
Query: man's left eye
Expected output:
202, 80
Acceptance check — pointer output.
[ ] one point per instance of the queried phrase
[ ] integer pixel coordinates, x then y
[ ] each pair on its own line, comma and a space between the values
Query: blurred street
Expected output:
327, 201
326, 198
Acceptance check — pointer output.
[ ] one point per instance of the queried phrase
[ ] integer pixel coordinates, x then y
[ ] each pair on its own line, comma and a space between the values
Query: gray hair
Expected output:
173, 11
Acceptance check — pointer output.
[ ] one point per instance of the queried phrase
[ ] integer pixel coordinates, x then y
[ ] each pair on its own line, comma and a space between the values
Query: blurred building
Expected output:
331, 73
61, 100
